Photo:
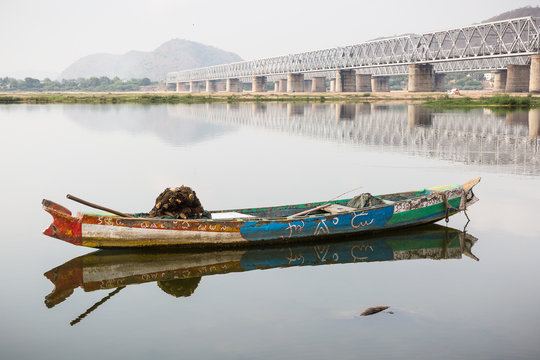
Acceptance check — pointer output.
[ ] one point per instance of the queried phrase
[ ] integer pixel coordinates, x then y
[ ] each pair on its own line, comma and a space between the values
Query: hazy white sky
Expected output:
48, 35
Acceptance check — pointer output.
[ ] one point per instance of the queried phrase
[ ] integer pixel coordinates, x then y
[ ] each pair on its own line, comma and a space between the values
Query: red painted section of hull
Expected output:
64, 227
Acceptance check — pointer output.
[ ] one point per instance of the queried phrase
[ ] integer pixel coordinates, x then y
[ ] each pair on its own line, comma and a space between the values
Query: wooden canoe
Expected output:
178, 272
261, 225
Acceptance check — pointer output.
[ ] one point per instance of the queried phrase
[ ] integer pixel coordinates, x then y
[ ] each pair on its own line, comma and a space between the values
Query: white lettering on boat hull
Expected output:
111, 232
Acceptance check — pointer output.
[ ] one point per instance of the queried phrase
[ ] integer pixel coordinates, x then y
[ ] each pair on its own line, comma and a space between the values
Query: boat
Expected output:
178, 271
237, 227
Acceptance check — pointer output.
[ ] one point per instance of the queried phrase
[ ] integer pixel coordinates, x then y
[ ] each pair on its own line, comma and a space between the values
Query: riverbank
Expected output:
465, 99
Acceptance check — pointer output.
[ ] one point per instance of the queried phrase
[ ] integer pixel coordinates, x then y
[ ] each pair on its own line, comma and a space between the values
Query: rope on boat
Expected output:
448, 206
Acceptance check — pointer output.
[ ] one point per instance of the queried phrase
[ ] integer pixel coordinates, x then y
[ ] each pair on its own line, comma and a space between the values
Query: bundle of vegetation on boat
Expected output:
179, 203
285, 223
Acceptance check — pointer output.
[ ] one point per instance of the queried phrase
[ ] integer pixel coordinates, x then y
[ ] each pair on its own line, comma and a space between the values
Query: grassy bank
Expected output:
164, 98
473, 99
502, 100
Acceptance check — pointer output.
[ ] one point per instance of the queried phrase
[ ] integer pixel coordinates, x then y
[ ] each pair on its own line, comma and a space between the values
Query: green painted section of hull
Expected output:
423, 214
429, 241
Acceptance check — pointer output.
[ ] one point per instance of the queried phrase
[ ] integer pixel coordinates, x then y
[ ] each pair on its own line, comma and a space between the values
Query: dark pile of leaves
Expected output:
179, 203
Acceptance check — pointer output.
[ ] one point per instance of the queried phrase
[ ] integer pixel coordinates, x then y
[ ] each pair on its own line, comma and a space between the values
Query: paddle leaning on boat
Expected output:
363, 213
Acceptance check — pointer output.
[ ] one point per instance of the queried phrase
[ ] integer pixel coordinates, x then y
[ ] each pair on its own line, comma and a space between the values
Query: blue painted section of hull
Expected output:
349, 252
315, 226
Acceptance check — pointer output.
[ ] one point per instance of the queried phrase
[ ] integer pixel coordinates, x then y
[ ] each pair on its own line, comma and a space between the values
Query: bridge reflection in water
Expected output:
508, 141
178, 273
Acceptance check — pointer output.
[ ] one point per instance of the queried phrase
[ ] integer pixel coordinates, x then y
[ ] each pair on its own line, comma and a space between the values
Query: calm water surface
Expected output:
452, 294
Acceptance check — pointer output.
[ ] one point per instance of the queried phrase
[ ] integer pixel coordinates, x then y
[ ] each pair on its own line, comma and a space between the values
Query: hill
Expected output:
174, 55
516, 13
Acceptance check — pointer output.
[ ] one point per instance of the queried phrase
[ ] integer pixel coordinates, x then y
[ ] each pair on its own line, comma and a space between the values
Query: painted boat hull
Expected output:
264, 225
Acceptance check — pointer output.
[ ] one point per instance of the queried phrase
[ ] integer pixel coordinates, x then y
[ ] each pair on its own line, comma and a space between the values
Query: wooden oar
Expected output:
84, 202
305, 212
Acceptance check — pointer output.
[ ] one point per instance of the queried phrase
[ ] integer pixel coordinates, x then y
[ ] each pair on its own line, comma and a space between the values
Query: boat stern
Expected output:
64, 226
470, 198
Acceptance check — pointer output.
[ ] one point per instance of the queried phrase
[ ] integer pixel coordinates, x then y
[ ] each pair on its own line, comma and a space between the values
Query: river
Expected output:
454, 291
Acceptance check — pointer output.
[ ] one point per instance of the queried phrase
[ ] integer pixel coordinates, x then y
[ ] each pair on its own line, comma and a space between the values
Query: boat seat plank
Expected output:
336, 208
230, 215
330, 208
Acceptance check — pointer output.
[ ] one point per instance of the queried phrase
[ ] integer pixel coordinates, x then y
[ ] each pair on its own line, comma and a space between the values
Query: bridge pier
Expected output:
282, 85
308, 83
332, 85
194, 87
345, 81
259, 84
534, 82
295, 82
421, 78
182, 87
517, 78
220, 85
363, 83
499, 80
232, 85
211, 86
439, 82
380, 83
318, 84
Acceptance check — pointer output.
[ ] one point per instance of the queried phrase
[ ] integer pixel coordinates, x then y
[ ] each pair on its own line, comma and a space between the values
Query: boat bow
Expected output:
65, 226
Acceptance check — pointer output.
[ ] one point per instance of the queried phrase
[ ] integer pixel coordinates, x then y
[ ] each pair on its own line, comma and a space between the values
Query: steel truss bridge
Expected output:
481, 138
486, 46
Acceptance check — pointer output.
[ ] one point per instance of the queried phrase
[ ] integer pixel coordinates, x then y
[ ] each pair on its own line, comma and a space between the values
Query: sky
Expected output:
45, 37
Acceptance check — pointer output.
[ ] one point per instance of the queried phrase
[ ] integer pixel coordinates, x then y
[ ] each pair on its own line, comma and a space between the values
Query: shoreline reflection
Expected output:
509, 141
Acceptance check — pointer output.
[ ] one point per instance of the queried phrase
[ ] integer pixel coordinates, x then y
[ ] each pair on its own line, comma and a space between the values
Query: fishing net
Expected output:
364, 200
179, 203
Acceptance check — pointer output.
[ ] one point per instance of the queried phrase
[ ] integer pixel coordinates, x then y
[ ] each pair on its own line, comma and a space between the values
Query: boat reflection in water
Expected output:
178, 273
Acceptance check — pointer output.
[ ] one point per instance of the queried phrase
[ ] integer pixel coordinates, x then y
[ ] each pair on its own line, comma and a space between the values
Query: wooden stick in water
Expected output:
95, 206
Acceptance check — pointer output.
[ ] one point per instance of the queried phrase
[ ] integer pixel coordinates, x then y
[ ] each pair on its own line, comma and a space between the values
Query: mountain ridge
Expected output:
516, 13
173, 55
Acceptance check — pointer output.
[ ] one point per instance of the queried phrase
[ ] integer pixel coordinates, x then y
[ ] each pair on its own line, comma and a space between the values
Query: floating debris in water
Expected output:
374, 310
